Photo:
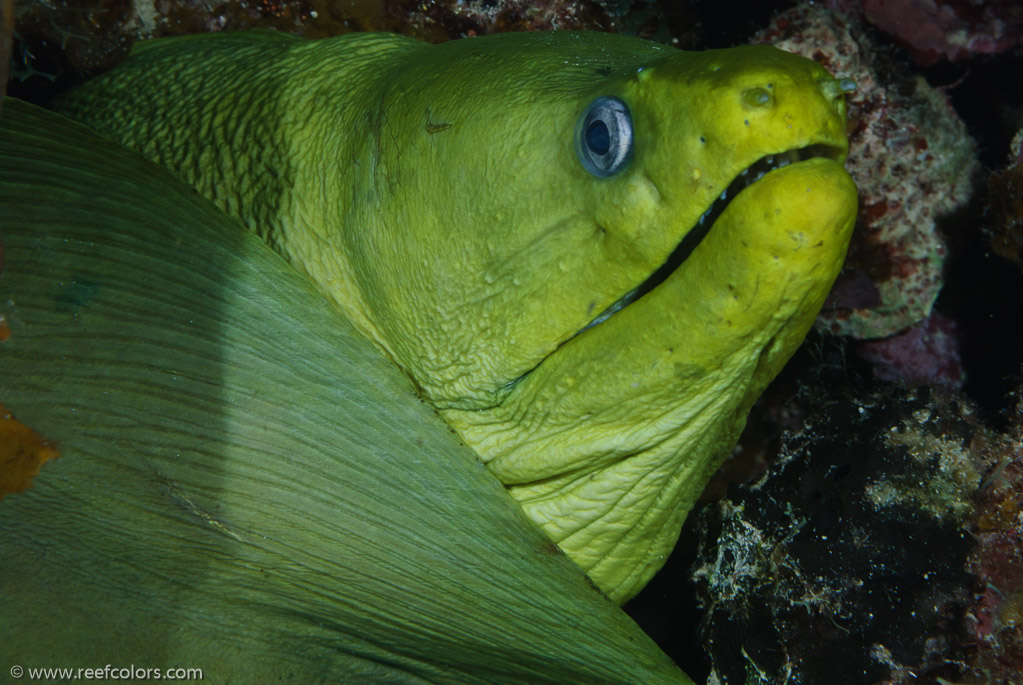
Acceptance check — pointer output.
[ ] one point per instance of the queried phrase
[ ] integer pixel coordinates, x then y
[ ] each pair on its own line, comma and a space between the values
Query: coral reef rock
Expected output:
912, 160
1005, 205
856, 558
948, 29
927, 353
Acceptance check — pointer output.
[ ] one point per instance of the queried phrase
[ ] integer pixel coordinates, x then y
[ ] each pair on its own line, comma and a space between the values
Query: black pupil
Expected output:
598, 137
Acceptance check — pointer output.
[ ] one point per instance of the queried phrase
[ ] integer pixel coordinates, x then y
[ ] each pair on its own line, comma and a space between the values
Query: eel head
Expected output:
628, 244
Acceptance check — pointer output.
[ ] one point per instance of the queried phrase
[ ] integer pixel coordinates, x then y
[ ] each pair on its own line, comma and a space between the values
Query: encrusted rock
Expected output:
851, 560
912, 160
948, 29
1005, 205
926, 353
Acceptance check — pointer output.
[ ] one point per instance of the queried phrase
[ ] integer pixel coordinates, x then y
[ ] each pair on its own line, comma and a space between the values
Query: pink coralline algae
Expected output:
944, 29
927, 353
912, 161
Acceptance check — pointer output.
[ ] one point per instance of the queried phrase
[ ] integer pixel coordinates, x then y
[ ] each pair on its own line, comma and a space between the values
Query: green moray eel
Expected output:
567, 241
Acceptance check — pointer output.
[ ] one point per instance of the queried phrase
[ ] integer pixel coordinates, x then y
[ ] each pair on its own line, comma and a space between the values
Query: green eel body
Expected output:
246, 485
435, 195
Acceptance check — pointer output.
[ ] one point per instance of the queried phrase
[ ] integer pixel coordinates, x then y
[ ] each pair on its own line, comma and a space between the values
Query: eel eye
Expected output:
603, 136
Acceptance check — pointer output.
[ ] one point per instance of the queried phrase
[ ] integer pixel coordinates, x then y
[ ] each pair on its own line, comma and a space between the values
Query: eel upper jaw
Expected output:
695, 235
685, 247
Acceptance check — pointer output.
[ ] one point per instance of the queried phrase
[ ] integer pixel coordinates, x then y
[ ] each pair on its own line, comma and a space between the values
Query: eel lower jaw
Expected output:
695, 235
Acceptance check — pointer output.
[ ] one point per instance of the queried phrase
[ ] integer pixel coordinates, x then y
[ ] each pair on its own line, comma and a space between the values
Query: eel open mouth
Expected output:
747, 176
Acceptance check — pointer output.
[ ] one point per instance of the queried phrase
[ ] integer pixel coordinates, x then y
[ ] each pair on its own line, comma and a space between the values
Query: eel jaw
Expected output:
695, 235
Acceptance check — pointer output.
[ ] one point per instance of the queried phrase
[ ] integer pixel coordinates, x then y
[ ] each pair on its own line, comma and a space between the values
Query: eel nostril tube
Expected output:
834, 88
756, 97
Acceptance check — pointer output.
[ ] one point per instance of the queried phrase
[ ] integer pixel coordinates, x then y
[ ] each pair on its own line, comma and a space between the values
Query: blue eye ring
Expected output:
603, 136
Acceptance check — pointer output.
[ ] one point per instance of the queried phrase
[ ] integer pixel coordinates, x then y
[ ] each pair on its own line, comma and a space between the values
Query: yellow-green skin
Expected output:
434, 193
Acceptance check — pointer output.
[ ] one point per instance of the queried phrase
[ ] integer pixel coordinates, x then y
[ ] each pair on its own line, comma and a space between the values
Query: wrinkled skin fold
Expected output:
433, 193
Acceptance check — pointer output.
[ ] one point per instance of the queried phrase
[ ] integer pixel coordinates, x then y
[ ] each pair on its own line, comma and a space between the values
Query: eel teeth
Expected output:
750, 174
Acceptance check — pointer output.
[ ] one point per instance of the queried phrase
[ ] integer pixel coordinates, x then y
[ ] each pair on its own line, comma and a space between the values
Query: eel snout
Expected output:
751, 174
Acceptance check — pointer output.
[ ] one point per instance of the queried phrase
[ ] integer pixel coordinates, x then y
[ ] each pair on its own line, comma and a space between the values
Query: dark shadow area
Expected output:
667, 608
